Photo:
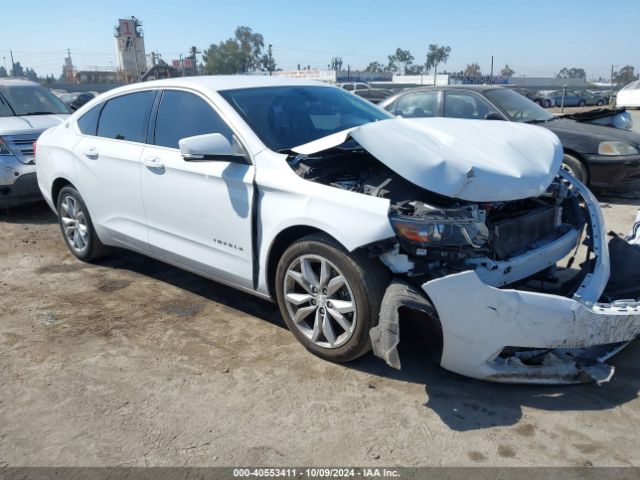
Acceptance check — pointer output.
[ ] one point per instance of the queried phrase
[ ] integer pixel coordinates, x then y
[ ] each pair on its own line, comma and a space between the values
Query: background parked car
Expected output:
629, 96
572, 98
595, 154
596, 98
540, 98
26, 110
374, 95
76, 99
353, 86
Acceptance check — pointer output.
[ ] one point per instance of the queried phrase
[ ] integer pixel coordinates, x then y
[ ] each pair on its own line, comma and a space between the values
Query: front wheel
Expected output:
582, 103
76, 226
575, 167
329, 298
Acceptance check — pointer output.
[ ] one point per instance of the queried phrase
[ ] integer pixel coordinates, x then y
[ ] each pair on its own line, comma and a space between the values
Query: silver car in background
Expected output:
26, 110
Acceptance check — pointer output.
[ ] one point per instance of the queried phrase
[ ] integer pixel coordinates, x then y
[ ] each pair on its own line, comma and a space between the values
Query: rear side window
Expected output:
126, 117
419, 104
88, 123
183, 114
465, 105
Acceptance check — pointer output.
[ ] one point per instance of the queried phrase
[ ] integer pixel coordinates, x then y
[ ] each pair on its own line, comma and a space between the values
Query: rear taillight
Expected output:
34, 148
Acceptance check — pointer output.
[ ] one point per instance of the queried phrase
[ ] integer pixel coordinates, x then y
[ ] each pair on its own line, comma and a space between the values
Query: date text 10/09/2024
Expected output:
316, 472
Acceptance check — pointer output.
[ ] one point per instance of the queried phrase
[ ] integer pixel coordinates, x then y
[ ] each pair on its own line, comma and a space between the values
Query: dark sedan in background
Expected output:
600, 156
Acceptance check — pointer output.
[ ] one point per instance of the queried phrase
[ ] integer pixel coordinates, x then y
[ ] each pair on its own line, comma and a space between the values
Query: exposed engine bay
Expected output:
488, 228
441, 235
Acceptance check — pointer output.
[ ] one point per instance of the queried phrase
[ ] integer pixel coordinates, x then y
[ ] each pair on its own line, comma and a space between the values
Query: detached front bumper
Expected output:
479, 322
520, 336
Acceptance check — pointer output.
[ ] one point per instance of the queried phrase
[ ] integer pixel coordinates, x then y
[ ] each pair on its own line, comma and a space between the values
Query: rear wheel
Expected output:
329, 298
547, 104
76, 226
575, 167
582, 103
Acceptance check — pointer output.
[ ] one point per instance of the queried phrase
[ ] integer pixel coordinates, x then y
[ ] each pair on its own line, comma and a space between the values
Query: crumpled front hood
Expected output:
472, 160
29, 123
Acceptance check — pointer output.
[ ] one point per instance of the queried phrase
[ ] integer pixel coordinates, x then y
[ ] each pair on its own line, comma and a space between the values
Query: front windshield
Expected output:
285, 117
517, 107
29, 100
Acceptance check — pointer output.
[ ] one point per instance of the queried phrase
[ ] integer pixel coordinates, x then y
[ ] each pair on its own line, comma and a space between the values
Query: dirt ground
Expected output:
130, 362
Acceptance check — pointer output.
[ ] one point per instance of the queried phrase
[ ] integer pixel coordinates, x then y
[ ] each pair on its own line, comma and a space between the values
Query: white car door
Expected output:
108, 167
198, 212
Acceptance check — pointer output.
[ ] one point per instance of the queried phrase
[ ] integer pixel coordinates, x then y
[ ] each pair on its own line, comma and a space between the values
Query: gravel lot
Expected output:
132, 362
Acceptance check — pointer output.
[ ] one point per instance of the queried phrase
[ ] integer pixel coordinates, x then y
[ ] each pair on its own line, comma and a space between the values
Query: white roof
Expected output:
222, 82
7, 82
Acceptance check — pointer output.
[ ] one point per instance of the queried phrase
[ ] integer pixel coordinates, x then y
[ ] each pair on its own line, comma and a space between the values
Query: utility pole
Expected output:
491, 75
611, 85
194, 61
13, 64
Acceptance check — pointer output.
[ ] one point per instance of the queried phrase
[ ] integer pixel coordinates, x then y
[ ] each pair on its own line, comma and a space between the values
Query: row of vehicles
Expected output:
544, 98
351, 216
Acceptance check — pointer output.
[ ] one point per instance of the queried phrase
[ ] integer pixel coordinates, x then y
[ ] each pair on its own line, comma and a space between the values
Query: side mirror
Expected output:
493, 116
211, 147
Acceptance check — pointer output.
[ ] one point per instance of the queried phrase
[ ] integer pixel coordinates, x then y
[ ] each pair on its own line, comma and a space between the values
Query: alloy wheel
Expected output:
74, 224
320, 301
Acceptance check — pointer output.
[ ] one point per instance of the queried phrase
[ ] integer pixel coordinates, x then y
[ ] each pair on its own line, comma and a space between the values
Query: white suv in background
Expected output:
350, 219
26, 110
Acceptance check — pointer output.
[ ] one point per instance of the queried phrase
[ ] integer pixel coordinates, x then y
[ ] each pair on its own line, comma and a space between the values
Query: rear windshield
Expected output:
285, 117
29, 100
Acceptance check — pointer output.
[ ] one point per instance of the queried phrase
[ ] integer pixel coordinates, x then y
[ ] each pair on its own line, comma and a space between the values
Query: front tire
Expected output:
76, 226
575, 167
329, 298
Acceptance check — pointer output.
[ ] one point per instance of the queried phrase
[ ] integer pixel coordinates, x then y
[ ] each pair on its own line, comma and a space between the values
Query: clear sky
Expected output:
536, 38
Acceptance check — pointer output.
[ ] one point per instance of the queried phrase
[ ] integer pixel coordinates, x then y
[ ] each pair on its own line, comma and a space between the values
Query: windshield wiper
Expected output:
38, 113
538, 120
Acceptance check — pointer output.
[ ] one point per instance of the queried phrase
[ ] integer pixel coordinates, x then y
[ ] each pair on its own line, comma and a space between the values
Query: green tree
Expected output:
473, 69
436, 55
240, 54
507, 71
17, 70
31, 74
336, 64
268, 62
625, 75
3, 72
572, 73
374, 67
400, 61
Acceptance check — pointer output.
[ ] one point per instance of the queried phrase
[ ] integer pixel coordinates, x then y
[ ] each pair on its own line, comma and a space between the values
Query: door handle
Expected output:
91, 153
153, 162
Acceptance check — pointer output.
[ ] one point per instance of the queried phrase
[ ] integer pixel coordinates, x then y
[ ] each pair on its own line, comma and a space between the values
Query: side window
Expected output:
126, 117
465, 105
183, 114
88, 123
348, 87
420, 104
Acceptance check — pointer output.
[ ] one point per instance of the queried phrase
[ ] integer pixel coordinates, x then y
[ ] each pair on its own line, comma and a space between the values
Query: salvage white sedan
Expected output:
350, 219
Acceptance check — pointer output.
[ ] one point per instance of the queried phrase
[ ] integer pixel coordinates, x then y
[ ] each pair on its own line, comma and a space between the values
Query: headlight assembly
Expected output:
616, 148
443, 229
4, 149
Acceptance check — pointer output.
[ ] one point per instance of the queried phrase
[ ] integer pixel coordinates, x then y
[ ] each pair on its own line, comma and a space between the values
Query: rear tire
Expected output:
575, 167
330, 298
76, 226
